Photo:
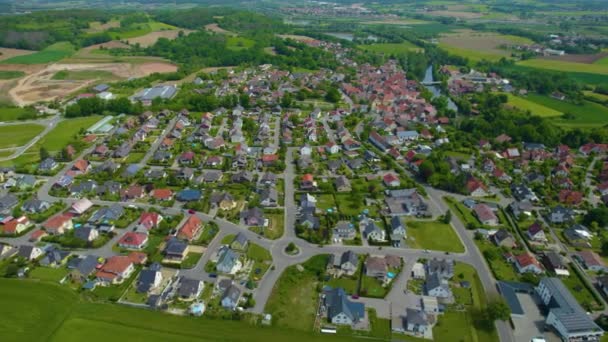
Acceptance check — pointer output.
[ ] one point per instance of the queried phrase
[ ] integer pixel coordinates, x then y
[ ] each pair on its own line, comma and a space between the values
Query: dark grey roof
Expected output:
240, 238
145, 280
416, 317
337, 302
233, 293
188, 287
566, 309
509, 290
8, 201
175, 246
349, 256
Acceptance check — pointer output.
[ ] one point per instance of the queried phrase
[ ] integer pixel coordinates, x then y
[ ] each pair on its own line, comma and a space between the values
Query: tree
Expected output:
498, 310
333, 95
291, 247
447, 217
44, 153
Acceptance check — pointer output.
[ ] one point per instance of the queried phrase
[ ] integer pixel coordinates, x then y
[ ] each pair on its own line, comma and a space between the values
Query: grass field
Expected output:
82, 75
238, 43
293, 301
18, 135
38, 311
562, 66
587, 115
55, 140
473, 55
15, 113
596, 96
52, 53
141, 29
9, 75
533, 107
423, 235
388, 48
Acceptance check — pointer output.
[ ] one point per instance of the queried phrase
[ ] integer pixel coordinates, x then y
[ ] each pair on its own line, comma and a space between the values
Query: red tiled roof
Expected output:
162, 194
56, 221
133, 239
190, 227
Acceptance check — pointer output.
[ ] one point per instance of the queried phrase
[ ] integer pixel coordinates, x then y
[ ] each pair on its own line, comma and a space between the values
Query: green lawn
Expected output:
261, 260
325, 201
564, 66
9, 75
18, 135
48, 273
433, 235
579, 291
191, 260
35, 311
501, 269
139, 29
51, 53
390, 48
353, 204
533, 107
586, 115
371, 287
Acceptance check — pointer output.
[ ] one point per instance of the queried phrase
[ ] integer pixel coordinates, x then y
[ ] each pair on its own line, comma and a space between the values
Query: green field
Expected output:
388, 48
137, 30
16, 113
52, 53
18, 135
9, 75
82, 75
587, 115
473, 55
423, 235
563, 66
55, 140
603, 61
38, 311
596, 96
533, 107
239, 43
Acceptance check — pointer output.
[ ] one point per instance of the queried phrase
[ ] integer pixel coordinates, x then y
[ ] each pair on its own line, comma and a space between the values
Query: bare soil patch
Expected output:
152, 37
39, 85
215, 28
483, 42
97, 26
146, 69
586, 59
6, 53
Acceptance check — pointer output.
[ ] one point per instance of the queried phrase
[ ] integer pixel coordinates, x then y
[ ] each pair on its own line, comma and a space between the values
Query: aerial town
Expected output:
360, 200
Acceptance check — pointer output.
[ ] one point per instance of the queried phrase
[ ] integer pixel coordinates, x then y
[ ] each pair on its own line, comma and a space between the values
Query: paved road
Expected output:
49, 124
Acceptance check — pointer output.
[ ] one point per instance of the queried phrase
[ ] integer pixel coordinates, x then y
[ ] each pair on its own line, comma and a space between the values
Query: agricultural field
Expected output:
479, 45
152, 37
16, 113
18, 135
398, 22
600, 68
82, 75
140, 29
96, 26
534, 108
388, 48
40, 311
52, 53
586, 115
217, 29
10, 74
7, 53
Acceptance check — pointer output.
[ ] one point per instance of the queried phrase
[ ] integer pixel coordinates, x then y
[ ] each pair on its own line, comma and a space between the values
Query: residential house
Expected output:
342, 184
527, 263
191, 229
189, 289
436, 286
230, 297
115, 270
397, 231
82, 267
269, 197
555, 263
253, 217
240, 242
86, 233
591, 261
133, 240
391, 180
228, 261
149, 279
175, 249
371, 231
58, 224
308, 183
503, 238
16, 226
340, 310
349, 262
443, 267
223, 200
29, 252
485, 214
149, 220
81, 206
376, 267
536, 233
189, 195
